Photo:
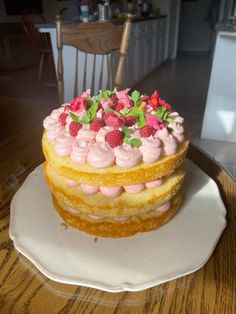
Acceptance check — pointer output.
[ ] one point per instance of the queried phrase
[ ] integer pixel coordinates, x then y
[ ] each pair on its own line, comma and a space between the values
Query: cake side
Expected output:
142, 223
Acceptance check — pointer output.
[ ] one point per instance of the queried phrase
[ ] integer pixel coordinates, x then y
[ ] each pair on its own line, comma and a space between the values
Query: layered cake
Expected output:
114, 162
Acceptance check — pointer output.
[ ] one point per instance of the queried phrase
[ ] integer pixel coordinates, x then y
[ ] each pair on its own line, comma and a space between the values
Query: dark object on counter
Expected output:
145, 9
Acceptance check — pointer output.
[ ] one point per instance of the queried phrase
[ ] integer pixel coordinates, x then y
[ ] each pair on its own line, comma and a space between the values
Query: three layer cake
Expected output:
114, 162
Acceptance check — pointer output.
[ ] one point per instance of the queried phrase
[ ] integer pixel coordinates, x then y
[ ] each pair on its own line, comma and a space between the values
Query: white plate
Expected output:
135, 263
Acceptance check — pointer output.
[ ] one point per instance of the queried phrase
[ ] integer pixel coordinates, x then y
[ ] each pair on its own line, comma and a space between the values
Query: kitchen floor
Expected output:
182, 82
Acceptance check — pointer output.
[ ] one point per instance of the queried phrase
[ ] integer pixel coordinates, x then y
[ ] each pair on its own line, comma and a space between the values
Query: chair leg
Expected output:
51, 68
41, 67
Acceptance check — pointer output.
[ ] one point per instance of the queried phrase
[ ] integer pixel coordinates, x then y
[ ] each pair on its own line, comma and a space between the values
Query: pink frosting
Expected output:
100, 137
170, 145
164, 207
89, 189
52, 119
120, 218
49, 122
53, 132
176, 117
56, 113
73, 211
134, 188
101, 155
154, 184
111, 191
127, 156
63, 144
86, 134
71, 182
177, 131
151, 149
95, 217
162, 134
80, 150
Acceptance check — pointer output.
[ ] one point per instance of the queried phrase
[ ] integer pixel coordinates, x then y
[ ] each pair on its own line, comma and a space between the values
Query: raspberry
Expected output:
147, 131
114, 138
74, 128
111, 119
96, 125
62, 118
130, 120
119, 106
67, 107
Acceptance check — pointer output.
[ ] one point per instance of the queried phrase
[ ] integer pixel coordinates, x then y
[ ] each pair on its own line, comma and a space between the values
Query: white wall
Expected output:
194, 31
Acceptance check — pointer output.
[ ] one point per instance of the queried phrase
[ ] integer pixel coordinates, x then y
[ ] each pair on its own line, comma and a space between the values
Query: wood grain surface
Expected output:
23, 289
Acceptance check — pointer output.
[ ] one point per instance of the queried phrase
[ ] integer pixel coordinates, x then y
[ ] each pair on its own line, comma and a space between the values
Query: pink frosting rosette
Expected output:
80, 150
170, 145
100, 136
100, 155
53, 131
127, 156
86, 134
150, 149
63, 144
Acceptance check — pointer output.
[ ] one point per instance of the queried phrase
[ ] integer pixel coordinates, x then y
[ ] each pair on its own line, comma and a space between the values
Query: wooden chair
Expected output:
99, 40
41, 41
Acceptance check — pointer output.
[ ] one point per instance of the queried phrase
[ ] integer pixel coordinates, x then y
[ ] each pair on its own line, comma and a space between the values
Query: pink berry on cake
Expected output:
74, 127
111, 119
147, 131
96, 125
130, 120
114, 138
62, 118
119, 106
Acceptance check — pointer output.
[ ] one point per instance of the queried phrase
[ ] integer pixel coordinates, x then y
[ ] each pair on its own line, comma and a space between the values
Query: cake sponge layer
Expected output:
114, 175
123, 205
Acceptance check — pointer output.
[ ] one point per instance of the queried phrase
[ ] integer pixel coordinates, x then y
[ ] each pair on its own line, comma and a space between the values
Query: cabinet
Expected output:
146, 49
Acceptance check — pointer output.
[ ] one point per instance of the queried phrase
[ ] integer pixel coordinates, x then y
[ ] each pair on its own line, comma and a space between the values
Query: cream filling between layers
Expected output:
113, 191
161, 209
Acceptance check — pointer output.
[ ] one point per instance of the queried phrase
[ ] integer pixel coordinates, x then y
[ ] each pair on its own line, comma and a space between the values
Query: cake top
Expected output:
115, 127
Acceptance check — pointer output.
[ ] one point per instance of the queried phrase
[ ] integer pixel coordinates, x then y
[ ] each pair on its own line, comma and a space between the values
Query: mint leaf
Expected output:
141, 120
86, 118
90, 101
124, 111
126, 140
126, 131
74, 117
161, 111
135, 112
169, 120
92, 111
135, 97
135, 142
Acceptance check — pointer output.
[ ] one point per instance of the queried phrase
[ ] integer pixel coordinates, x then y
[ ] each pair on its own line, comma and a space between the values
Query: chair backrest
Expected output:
98, 39
30, 17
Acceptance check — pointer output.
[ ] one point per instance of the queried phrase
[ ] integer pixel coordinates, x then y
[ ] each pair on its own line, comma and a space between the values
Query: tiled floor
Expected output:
182, 82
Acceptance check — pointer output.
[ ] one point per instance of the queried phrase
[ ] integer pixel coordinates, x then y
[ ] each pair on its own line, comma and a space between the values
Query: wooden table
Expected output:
23, 289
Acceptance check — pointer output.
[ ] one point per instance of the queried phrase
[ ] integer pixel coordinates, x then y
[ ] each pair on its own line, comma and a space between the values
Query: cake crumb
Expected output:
95, 239
63, 224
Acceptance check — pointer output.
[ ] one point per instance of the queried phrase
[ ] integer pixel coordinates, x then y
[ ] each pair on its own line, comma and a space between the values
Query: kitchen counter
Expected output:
116, 21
